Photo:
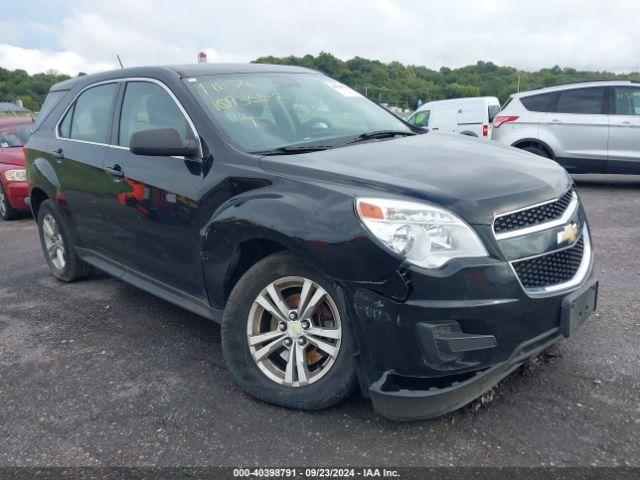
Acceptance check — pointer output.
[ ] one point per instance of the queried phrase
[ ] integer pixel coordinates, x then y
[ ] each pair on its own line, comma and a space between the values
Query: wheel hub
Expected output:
294, 331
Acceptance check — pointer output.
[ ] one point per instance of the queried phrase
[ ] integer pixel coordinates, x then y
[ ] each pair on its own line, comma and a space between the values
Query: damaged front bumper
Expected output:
392, 399
425, 358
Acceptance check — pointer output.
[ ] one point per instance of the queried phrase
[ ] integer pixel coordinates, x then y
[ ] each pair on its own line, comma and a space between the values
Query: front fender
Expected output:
314, 221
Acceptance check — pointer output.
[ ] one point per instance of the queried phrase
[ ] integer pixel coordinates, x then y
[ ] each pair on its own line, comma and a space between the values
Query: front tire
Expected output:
537, 151
7, 212
58, 246
285, 336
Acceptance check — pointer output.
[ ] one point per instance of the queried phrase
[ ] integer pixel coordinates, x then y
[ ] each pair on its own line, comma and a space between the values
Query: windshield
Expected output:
271, 110
14, 135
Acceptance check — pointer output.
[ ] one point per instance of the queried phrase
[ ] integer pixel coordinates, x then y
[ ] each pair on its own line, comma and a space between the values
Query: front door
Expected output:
624, 130
153, 210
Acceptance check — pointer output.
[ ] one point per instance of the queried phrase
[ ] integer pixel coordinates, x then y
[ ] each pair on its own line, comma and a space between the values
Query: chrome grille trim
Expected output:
578, 278
566, 216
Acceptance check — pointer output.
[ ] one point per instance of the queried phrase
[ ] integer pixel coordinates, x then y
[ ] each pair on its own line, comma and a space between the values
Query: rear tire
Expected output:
7, 212
537, 151
58, 247
310, 362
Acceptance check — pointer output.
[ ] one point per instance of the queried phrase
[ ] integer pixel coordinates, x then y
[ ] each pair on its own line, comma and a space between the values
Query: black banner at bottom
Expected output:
415, 473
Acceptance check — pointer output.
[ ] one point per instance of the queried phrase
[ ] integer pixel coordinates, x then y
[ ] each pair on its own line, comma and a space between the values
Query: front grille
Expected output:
552, 269
533, 216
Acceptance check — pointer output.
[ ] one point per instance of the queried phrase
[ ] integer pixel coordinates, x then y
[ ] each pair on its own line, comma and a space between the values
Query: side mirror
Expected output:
162, 142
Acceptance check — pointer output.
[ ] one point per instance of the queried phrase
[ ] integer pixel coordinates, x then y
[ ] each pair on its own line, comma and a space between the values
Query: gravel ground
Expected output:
101, 373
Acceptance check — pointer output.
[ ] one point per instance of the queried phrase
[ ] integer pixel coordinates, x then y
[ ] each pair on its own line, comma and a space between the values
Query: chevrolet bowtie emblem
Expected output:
569, 234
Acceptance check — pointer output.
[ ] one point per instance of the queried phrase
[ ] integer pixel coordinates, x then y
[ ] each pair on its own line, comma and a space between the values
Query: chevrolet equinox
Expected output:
337, 245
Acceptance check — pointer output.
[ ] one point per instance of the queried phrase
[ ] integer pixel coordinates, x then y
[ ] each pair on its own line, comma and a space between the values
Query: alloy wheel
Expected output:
294, 331
53, 242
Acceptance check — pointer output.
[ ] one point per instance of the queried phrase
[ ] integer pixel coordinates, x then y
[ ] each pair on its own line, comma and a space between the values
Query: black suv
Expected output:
336, 245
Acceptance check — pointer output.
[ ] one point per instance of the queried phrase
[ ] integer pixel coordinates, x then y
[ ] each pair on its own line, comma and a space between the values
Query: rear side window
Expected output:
538, 103
89, 118
49, 104
147, 105
581, 100
65, 126
627, 101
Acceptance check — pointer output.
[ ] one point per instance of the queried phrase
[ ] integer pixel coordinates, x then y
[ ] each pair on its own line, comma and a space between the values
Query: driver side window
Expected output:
420, 119
147, 106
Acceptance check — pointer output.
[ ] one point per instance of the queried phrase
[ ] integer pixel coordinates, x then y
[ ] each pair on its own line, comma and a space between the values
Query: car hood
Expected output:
12, 156
471, 177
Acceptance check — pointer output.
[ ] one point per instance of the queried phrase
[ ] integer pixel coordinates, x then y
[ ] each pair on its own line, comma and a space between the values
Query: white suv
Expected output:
586, 127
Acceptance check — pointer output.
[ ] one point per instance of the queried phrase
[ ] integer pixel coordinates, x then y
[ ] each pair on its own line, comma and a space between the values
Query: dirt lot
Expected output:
100, 373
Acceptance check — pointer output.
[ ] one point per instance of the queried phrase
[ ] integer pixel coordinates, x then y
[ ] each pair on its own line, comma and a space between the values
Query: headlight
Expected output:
15, 175
426, 236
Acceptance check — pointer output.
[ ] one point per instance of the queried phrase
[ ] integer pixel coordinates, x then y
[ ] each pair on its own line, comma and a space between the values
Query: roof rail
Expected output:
548, 85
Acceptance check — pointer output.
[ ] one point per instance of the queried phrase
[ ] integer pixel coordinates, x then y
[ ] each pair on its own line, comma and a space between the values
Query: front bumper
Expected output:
18, 195
392, 401
497, 327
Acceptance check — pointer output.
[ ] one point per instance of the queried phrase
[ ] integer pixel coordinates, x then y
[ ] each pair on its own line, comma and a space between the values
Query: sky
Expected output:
71, 36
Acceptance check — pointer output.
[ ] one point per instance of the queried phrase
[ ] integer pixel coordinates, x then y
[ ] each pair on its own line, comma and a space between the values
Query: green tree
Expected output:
31, 89
403, 85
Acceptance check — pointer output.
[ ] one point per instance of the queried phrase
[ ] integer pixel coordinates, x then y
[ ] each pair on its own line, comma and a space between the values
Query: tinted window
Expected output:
91, 117
65, 126
420, 119
538, 103
582, 100
627, 101
49, 104
147, 105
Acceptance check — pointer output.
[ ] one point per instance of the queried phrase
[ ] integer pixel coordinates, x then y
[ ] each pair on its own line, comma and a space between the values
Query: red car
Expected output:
14, 193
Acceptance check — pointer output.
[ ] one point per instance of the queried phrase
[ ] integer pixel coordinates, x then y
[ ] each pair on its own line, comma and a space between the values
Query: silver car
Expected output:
586, 127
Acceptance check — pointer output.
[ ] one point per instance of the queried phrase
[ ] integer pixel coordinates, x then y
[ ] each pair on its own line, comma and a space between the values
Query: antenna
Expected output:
119, 61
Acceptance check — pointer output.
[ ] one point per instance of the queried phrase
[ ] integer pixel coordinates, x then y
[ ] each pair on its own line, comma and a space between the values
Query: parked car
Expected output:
469, 116
337, 244
14, 193
591, 127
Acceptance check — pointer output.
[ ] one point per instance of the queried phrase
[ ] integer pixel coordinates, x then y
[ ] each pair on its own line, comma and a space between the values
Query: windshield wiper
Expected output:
381, 134
293, 150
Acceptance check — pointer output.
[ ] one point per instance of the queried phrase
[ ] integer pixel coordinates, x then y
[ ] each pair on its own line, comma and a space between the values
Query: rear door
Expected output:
444, 119
78, 150
577, 128
472, 115
152, 205
624, 130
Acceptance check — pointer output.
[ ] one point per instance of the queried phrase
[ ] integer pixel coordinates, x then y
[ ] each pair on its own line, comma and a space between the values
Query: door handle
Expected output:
555, 120
435, 128
627, 124
115, 172
58, 155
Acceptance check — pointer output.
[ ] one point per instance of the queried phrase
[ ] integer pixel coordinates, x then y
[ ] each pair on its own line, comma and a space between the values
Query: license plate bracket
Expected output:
577, 307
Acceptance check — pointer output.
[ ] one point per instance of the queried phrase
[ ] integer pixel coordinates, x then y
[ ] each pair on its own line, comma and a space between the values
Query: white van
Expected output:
468, 116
